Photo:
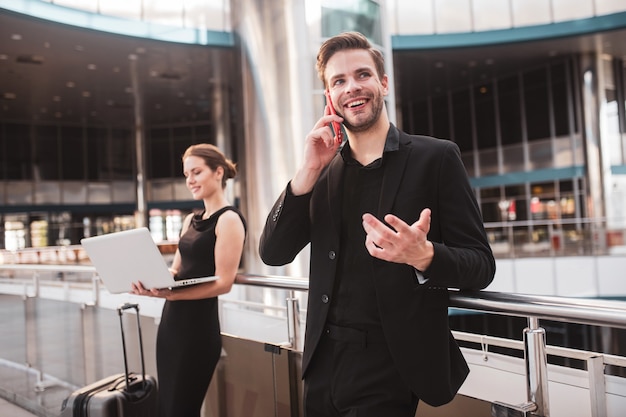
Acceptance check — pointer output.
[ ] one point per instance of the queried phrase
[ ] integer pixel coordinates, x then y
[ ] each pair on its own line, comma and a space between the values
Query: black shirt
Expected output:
354, 295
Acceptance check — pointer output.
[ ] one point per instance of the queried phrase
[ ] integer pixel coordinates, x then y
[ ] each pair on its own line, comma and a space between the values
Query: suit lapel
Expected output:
335, 171
395, 163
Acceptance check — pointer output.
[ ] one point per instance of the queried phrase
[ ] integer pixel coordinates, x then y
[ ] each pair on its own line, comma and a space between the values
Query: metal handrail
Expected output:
534, 307
581, 310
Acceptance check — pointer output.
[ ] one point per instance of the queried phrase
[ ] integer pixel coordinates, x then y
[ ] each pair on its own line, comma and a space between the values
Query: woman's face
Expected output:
201, 180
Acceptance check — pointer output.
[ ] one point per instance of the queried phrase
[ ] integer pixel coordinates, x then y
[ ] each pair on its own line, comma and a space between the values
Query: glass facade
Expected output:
521, 141
521, 132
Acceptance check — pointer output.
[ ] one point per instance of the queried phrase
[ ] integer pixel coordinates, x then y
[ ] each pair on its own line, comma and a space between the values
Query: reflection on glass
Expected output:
173, 225
14, 235
357, 15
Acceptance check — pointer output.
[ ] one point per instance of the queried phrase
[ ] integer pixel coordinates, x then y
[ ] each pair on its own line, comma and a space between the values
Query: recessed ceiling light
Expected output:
16, 37
86, 94
70, 84
92, 67
30, 59
3, 57
9, 96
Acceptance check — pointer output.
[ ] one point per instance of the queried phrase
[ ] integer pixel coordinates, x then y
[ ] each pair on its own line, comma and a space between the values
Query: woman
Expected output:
188, 340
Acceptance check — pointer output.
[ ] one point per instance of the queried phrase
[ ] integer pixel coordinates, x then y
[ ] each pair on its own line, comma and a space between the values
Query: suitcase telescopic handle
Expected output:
120, 311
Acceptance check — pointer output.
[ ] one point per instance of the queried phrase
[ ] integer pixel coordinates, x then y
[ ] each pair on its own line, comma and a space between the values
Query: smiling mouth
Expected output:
355, 104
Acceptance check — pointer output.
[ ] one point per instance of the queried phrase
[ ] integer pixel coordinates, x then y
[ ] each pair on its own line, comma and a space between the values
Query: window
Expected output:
420, 117
72, 155
510, 110
462, 120
159, 153
359, 15
16, 163
46, 163
485, 125
536, 104
560, 106
122, 154
97, 154
441, 120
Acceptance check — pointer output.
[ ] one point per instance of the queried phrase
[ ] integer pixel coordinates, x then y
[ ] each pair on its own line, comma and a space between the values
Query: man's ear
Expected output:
385, 83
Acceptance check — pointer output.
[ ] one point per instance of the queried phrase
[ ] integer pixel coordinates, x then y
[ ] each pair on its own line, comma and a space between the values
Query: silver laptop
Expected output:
122, 258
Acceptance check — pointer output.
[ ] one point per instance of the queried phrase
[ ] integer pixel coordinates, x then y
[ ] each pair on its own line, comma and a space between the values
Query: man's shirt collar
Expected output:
392, 144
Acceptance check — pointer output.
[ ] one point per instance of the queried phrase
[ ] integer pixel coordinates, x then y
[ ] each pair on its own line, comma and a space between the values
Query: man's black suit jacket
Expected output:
424, 173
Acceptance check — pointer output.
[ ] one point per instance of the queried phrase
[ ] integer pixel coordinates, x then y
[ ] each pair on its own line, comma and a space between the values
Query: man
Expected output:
392, 222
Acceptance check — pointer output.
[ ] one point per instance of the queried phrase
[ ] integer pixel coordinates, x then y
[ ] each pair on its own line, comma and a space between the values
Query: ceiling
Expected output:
51, 73
424, 72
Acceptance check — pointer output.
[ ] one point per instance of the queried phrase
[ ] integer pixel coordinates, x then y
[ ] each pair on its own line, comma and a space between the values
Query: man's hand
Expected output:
320, 148
400, 243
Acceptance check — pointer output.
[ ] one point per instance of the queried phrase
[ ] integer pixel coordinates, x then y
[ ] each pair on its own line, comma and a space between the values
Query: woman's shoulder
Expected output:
231, 214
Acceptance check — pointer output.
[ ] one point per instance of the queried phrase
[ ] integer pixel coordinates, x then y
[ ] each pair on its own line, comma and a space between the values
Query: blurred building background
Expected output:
98, 100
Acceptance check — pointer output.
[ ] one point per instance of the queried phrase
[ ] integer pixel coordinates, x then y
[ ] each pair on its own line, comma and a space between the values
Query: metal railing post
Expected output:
536, 362
597, 386
536, 367
293, 322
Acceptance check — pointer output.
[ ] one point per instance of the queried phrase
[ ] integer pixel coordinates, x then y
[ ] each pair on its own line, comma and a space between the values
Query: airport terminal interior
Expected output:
99, 100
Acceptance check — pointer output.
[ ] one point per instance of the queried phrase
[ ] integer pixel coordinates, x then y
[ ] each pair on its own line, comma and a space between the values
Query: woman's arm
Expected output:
230, 235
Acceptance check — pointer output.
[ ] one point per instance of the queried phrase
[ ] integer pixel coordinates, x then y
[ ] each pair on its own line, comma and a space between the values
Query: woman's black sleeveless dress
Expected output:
189, 343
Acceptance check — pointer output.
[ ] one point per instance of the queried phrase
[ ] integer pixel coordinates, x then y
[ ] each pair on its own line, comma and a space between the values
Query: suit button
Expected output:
325, 299
332, 254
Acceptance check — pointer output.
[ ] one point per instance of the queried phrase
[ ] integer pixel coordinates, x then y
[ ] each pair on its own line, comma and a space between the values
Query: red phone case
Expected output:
336, 126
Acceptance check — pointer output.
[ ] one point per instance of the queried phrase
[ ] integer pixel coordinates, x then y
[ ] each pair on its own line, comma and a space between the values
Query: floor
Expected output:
19, 396
8, 409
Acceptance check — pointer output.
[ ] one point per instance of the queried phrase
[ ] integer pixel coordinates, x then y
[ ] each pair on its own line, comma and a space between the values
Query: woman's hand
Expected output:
139, 289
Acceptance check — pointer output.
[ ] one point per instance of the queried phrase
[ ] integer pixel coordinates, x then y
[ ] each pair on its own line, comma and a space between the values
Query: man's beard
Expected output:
377, 108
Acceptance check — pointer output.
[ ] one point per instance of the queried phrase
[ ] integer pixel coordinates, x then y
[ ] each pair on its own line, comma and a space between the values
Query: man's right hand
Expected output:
320, 148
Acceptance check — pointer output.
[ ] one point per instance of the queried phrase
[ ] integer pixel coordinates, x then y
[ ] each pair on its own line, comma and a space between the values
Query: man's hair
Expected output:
343, 41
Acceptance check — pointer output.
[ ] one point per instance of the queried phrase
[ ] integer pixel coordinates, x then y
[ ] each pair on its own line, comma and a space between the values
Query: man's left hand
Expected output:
401, 242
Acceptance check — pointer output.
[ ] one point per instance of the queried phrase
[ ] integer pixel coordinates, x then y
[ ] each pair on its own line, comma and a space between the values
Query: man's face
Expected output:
356, 91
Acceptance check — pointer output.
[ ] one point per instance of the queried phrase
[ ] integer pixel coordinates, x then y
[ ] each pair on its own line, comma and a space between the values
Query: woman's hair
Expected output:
343, 41
213, 158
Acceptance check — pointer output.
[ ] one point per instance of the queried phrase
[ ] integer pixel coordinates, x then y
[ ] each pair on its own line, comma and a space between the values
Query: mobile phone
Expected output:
336, 126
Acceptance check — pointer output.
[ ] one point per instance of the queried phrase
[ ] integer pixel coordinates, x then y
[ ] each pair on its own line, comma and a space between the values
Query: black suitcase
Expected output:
122, 395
